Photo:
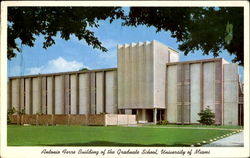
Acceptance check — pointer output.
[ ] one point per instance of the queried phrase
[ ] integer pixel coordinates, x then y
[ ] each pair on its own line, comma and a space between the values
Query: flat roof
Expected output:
64, 73
194, 61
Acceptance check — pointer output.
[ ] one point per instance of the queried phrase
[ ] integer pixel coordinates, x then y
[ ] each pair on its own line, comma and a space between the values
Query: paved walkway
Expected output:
236, 140
181, 127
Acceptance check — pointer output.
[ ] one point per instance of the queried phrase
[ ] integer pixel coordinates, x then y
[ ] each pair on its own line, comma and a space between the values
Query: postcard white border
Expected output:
35, 151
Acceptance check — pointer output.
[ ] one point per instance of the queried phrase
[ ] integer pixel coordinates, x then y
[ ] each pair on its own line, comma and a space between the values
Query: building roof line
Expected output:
64, 73
194, 61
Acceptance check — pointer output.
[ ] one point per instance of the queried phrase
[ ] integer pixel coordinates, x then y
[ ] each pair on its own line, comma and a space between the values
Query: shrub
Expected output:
22, 112
9, 113
162, 122
207, 117
103, 113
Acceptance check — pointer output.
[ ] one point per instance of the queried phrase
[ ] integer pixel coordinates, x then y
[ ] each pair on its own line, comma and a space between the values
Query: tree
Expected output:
207, 117
84, 69
26, 22
210, 29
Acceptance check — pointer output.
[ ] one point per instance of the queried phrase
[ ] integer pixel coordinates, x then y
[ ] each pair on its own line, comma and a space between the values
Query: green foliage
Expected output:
22, 112
39, 113
162, 122
84, 69
26, 22
207, 117
210, 29
103, 113
14, 111
9, 113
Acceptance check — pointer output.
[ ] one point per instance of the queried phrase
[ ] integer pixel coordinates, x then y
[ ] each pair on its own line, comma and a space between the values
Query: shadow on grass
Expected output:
107, 143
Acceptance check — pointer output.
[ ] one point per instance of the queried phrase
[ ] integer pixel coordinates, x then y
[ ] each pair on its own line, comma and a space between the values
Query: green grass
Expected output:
107, 136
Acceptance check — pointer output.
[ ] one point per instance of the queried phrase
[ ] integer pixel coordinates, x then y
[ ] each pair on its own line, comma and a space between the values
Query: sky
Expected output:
73, 54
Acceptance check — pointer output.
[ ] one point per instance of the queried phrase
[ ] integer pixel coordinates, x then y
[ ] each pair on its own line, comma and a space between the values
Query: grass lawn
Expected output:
107, 136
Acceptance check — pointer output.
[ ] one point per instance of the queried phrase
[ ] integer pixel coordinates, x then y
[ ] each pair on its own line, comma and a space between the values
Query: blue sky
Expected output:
74, 54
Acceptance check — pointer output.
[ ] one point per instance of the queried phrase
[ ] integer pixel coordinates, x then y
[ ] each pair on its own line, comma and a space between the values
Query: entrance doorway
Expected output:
160, 114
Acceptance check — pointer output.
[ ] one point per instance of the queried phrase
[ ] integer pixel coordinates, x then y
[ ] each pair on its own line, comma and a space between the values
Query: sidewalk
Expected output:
236, 140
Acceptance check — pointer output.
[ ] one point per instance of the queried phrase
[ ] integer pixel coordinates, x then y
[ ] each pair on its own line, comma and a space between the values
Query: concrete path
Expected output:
236, 140
205, 128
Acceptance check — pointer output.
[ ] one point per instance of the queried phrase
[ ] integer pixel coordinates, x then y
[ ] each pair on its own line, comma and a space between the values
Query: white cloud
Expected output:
56, 65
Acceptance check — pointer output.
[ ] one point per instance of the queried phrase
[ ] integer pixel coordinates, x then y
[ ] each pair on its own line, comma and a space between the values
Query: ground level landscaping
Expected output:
169, 135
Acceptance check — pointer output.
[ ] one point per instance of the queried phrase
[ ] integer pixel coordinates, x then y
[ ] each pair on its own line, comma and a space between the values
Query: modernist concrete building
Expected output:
150, 82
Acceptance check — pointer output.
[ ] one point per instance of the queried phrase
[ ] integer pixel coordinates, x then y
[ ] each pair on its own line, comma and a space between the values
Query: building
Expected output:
150, 82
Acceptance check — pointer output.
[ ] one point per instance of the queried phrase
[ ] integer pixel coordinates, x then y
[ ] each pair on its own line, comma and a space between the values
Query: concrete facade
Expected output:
195, 85
150, 82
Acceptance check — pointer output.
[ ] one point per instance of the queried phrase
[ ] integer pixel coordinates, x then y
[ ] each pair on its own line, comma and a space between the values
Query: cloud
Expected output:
56, 65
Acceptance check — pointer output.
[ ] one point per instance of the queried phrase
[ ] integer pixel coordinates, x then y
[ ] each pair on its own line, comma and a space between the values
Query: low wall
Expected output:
98, 120
120, 119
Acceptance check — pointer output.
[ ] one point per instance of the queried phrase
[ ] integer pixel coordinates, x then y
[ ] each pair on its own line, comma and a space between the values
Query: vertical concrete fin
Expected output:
231, 94
195, 92
66, 94
99, 92
44, 95
218, 92
84, 93
73, 104
22, 94
50, 95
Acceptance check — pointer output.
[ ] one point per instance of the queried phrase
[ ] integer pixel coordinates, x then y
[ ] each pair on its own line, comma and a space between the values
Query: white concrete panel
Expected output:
137, 79
149, 76
230, 72
195, 92
126, 76
231, 93
44, 95
120, 73
73, 97
59, 95
66, 94
111, 85
15, 94
93, 93
160, 59
133, 79
99, 92
84, 94
36, 93
141, 75
50, 95
209, 85
174, 57
172, 94
28, 96
22, 91
230, 113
